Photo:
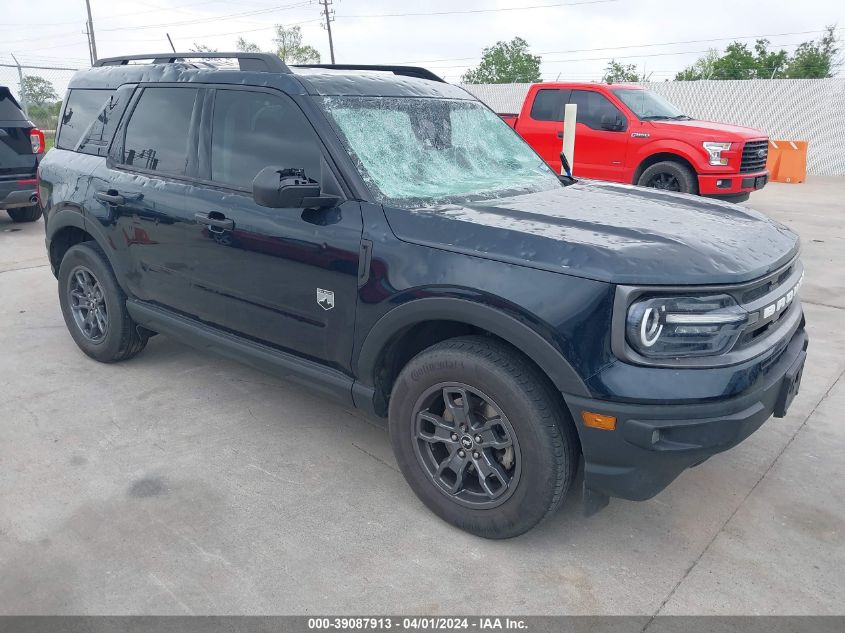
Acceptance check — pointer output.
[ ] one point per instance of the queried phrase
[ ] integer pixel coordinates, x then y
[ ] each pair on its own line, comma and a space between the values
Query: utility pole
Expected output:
328, 14
91, 40
88, 38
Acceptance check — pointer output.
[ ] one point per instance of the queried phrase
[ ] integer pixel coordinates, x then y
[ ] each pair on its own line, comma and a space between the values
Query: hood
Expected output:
608, 232
712, 130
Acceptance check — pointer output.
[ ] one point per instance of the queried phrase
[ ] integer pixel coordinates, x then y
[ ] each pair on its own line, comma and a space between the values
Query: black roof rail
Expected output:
261, 62
407, 71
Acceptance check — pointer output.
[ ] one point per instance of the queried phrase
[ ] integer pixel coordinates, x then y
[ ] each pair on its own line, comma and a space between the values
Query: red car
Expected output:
628, 134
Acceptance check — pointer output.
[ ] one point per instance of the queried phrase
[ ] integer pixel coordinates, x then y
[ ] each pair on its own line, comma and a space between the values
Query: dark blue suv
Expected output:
381, 236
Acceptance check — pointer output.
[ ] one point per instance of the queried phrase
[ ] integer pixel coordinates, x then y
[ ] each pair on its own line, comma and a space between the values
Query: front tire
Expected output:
94, 306
25, 214
481, 437
669, 175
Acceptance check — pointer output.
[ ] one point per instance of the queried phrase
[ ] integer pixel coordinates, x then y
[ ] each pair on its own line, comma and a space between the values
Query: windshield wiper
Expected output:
681, 117
655, 117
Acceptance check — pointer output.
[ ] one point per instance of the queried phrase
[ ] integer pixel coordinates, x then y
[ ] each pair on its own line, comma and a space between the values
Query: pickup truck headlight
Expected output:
715, 151
663, 327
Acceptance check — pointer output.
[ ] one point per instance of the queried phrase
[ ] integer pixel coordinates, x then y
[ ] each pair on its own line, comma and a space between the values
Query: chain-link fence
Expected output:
793, 109
39, 89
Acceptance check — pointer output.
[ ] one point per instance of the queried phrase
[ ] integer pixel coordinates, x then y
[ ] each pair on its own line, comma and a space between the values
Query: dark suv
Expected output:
21, 147
383, 237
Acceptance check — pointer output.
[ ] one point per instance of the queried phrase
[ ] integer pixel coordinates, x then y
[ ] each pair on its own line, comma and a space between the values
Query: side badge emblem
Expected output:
325, 298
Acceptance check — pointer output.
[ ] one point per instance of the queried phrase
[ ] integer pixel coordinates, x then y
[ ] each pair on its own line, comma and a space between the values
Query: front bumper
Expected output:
653, 443
17, 193
731, 184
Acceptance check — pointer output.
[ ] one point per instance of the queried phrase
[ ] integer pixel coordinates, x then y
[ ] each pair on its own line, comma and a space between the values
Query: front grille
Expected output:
752, 158
768, 292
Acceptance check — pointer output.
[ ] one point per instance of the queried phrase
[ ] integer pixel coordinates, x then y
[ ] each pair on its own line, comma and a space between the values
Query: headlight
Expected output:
715, 151
663, 327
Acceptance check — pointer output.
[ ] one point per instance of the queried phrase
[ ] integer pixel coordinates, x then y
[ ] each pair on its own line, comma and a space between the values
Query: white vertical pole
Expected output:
570, 116
91, 38
24, 104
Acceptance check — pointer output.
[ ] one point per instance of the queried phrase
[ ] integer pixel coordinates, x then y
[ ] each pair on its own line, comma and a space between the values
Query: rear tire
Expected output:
25, 214
508, 403
94, 306
669, 175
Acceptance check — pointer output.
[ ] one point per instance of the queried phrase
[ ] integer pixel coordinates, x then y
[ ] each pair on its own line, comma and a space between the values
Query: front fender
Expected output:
666, 146
506, 327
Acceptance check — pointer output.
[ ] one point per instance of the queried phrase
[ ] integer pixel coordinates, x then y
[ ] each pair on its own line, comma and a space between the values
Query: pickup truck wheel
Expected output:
481, 438
94, 306
669, 176
25, 214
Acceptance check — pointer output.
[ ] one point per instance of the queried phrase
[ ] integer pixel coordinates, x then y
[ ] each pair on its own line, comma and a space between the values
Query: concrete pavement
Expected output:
182, 483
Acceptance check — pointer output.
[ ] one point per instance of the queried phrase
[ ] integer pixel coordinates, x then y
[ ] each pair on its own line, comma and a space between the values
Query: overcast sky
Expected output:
575, 38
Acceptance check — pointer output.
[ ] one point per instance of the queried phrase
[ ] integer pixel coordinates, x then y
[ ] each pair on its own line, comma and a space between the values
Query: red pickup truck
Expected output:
625, 133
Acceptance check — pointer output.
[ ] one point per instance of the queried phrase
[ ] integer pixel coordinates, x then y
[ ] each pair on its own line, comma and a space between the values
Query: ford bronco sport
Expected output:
383, 237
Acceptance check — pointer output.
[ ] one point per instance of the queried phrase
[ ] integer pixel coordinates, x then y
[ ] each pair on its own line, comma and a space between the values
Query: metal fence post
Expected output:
23, 91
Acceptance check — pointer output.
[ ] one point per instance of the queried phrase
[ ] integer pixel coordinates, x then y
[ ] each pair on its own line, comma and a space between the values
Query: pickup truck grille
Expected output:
754, 155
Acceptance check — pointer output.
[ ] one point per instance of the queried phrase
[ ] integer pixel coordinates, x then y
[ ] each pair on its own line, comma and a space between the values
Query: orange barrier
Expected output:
787, 161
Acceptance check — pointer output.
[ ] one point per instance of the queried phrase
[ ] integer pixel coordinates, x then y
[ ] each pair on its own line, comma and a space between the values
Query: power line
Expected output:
111, 17
427, 13
211, 19
607, 48
302, 3
606, 57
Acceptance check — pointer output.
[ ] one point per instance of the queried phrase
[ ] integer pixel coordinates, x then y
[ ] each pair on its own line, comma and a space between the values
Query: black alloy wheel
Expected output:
88, 305
466, 445
664, 181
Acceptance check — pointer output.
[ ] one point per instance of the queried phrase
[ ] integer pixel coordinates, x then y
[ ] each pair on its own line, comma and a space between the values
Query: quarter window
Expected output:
157, 133
80, 111
254, 130
549, 104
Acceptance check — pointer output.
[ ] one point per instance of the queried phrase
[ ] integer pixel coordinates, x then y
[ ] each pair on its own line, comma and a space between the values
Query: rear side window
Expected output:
9, 110
548, 104
254, 130
157, 132
79, 112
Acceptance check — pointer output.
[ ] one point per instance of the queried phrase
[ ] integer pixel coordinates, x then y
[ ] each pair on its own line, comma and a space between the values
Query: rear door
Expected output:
139, 192
599, 148
543, 125
16, 158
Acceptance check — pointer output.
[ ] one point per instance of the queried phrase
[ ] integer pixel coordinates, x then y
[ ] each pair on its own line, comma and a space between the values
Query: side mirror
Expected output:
612, 122
280, 188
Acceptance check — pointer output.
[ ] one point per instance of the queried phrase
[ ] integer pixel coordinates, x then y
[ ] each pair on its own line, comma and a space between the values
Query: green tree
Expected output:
38, 91
701, 69
616, 73
247, 47
202, 48
811, 59
815, 59
289, 46
506, 62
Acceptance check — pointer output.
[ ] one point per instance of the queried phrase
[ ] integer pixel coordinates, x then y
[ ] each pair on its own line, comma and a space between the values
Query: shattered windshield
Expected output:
419, 151
648, 105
